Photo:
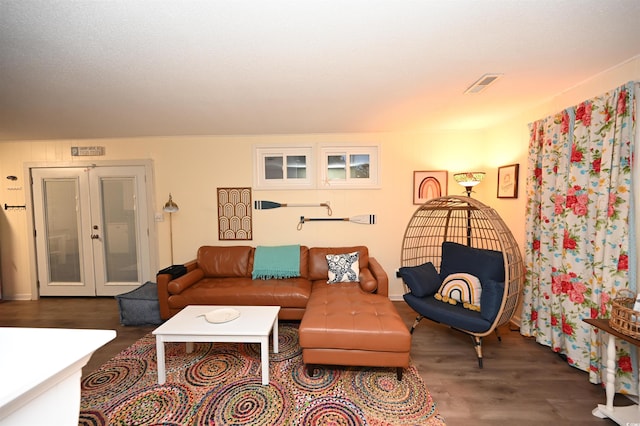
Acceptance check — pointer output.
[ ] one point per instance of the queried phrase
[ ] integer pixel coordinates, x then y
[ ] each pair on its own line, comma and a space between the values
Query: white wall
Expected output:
191, 168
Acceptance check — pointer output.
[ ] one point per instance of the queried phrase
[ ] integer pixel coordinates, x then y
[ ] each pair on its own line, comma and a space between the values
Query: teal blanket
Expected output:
276, 262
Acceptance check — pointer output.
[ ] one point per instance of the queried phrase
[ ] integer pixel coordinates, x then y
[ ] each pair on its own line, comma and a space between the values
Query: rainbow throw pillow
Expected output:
461, 288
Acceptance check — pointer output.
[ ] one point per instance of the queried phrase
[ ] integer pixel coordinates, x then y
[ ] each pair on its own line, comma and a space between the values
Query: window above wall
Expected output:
283, 168
294, 167
349, 167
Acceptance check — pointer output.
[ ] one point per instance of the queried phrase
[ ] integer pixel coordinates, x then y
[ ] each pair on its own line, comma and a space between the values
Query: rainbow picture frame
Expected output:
428, 185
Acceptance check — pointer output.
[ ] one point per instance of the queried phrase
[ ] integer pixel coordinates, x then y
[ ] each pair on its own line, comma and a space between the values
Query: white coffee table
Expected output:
254, 325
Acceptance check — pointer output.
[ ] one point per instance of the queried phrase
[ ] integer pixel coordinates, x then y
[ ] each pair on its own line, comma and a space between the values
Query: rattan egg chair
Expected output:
466, 221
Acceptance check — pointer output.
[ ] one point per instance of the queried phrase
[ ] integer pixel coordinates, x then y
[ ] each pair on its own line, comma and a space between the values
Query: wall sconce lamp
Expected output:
170, 207
469, 180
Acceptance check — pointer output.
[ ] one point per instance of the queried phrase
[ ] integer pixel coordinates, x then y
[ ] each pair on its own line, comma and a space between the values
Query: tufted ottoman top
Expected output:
342, 316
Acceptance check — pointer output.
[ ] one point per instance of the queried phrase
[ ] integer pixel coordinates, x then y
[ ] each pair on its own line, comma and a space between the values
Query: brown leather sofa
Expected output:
351, 323
221, 275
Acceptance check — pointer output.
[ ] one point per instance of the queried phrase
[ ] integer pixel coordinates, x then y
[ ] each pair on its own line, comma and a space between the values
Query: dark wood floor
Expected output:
522, 382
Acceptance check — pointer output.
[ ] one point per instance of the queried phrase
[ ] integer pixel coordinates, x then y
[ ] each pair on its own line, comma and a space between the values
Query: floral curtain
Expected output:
579, 229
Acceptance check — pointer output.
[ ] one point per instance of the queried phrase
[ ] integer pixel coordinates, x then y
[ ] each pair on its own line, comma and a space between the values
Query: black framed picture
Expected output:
508, 181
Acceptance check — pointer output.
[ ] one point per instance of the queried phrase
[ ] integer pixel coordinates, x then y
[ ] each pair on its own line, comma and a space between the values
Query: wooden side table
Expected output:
628, 415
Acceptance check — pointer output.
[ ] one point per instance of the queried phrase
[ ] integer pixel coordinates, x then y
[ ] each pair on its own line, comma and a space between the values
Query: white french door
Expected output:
91, 230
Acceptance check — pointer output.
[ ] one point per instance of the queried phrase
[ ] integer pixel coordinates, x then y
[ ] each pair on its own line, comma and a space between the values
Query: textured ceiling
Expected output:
117, 68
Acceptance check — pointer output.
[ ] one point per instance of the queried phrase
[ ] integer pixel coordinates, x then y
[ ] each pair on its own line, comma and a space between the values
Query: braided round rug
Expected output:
220, 384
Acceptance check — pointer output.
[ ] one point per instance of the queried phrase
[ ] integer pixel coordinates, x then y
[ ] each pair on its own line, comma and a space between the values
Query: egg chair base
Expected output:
476, 340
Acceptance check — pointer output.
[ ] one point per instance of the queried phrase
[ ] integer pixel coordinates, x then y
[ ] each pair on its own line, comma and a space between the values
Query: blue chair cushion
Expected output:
491, 299
452, 315
484, 264
423, 280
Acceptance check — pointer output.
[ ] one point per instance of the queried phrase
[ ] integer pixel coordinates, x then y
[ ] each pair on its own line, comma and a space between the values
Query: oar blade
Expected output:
365, 219
265, 205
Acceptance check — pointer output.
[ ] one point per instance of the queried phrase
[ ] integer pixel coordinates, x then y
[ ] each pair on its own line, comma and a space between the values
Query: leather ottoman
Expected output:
344, 325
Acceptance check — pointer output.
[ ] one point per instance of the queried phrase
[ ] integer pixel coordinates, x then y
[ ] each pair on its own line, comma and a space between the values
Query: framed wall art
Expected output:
508, 181
428, 185
234, 214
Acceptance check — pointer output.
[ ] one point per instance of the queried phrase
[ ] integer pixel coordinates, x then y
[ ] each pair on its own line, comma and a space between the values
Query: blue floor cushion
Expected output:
140, 306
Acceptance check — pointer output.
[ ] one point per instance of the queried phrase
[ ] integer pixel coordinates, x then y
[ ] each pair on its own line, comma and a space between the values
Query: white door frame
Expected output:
151, 202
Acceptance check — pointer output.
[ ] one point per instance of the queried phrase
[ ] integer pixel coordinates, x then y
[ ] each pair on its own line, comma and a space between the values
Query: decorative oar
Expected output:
365, 219
266, 205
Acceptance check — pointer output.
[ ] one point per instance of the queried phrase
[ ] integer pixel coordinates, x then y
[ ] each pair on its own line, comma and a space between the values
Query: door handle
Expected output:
95, 236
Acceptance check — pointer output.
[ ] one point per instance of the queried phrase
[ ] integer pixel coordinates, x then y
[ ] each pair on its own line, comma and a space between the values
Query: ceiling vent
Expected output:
482, 83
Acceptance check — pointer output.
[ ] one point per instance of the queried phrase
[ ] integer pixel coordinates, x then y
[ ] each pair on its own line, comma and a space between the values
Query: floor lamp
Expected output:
170, 207
469, 180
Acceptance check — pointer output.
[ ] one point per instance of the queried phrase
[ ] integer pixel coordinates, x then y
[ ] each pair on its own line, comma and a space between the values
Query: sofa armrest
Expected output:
163, 294
380, 276
179, 284
163, 289
368, 282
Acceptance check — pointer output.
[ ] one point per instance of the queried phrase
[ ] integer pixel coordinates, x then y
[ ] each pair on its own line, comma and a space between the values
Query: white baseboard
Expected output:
516, 320
22, 296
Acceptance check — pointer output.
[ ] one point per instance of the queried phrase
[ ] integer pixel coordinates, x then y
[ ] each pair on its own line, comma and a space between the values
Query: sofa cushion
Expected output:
484, 264
304, 262
461, 288
290, 293
318, 266
226, 261
423, 280
343, 268
341, 316
276, 262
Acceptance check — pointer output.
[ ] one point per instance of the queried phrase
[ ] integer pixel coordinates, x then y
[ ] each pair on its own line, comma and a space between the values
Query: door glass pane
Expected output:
296, 167
119, 229
61, 222
359, 166
337, 165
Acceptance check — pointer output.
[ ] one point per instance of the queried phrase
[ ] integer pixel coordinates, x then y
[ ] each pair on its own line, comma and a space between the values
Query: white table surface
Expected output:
35, 360
253, 320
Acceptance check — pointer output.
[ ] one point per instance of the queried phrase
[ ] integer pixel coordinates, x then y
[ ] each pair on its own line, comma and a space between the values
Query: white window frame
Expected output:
373, 181
260, 181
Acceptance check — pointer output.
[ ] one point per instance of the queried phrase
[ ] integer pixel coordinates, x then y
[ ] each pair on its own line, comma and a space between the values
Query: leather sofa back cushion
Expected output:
304, 262
318, 266
237, 261
221, 261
